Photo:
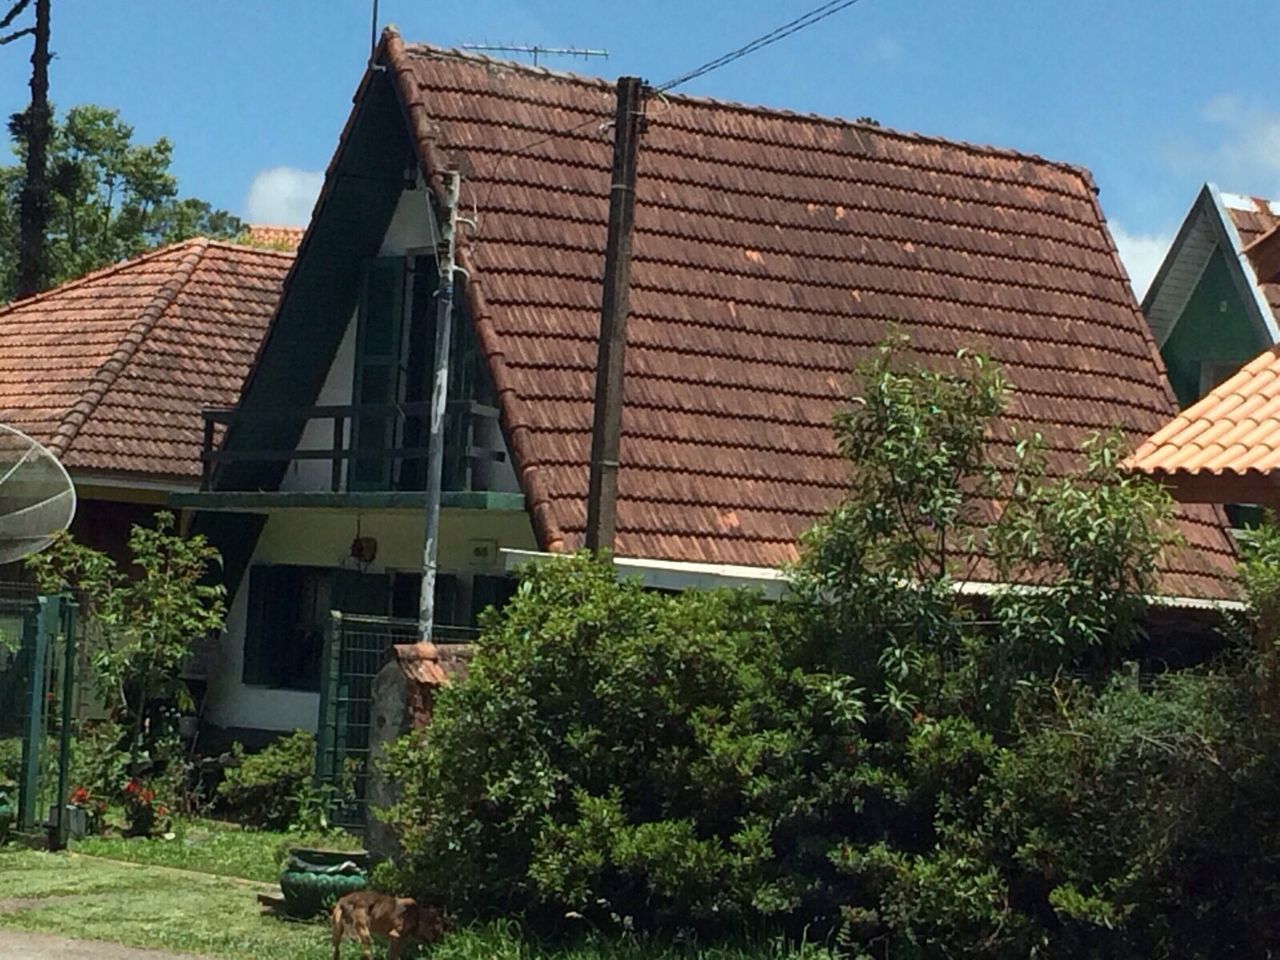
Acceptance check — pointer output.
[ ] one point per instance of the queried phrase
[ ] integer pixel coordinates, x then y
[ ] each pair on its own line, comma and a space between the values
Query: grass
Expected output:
75, 896
149, 904
209, 846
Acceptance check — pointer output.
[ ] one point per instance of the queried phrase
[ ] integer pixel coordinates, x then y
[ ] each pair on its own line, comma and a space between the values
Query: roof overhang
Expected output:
772, 583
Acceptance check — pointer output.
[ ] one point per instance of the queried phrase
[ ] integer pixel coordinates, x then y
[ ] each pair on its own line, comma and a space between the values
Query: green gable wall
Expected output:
1213, 327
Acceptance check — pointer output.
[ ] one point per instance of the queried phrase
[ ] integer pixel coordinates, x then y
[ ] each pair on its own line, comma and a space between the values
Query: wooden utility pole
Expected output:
33, 214
446, 257
606, 432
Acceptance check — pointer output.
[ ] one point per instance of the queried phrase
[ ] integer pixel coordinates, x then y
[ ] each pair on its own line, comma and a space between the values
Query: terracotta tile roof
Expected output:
112, 370
1235, 429
771, 251
1254, 217
276, 238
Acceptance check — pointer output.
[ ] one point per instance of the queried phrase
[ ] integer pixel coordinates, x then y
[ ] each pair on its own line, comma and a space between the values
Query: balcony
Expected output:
365, 454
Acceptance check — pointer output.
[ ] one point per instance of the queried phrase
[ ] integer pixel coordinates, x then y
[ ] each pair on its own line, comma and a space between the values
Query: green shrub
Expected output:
630, 756
10, 761
270, 788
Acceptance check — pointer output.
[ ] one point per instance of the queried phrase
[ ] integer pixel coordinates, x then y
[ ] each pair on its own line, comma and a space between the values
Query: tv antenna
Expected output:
536, 50
37, 498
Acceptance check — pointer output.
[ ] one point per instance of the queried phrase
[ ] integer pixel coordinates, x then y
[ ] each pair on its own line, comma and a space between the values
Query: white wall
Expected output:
322, 538
318, 434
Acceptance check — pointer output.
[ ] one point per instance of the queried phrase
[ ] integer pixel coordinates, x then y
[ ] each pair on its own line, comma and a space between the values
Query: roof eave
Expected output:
391, 55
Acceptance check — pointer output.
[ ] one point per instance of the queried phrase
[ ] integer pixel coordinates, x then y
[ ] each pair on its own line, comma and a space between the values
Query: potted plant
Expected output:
312, 880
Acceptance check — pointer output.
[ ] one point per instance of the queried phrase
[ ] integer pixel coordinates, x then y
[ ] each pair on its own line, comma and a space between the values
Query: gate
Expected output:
355, 648
37, 688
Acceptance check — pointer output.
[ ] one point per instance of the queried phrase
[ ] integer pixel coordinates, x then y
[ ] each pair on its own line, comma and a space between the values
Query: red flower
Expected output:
148, 795
132, 787
79, 795
162, 810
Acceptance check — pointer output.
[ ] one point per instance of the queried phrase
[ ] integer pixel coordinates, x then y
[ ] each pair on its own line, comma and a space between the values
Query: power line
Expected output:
773, 36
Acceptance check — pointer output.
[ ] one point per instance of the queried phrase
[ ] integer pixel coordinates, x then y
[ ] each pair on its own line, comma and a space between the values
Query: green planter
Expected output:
313, 880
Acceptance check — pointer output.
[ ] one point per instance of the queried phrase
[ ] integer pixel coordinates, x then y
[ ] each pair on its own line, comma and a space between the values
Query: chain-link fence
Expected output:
355, 649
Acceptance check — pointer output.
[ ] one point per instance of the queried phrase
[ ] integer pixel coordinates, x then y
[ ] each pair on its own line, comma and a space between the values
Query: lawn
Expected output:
145, 904
210, 846
77, 896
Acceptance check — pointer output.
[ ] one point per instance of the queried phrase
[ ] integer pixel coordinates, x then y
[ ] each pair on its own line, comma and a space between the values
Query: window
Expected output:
1214, 372
288, 612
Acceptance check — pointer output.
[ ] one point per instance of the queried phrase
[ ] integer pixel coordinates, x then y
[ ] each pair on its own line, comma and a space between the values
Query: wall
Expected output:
1213, 327
323, 538
318, 434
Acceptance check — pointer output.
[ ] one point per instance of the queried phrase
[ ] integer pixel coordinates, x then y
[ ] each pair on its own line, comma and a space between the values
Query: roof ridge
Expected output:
109, 370
99, 274
452, 53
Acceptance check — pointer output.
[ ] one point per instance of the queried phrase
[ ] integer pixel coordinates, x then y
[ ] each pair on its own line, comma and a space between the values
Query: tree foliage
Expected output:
948, 742
145, 622
109, 198
620, 753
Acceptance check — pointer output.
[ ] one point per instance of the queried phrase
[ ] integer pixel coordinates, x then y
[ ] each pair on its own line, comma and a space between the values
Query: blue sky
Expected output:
1154, 97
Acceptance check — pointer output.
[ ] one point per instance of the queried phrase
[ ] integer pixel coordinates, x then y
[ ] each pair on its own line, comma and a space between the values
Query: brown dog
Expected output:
366, 913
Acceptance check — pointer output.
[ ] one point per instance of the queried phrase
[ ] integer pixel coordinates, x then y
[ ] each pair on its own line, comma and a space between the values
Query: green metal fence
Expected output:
37, 690
355, 649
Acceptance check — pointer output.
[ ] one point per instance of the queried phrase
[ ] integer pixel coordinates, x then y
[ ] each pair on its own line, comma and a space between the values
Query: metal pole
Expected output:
606, 431
439, 402
59, 838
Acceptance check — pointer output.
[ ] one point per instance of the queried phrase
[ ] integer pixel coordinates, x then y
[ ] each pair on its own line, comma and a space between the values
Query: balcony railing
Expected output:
369, 446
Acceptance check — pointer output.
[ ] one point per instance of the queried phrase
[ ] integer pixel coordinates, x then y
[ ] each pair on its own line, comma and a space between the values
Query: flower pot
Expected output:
313, 880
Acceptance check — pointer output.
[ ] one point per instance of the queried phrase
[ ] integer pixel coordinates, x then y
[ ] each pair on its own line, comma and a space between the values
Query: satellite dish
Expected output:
37, 498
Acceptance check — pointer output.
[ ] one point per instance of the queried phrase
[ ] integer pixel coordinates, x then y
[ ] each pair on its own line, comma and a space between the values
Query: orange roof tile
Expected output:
1235, 429
276, 238
112, 370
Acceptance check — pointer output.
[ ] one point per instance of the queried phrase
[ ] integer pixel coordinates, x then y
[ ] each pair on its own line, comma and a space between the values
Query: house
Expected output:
1225, 448
1213, 303
771, 251
111, 372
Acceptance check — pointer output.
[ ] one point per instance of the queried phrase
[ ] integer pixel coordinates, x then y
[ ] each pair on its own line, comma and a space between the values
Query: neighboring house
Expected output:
1226, 447
771, 251
1213, 304
111, 371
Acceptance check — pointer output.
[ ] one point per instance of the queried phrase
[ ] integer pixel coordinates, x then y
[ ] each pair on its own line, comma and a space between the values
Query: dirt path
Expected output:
15, 945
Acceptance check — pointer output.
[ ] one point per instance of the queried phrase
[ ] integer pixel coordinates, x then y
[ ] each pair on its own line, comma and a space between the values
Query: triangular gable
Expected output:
1208, 226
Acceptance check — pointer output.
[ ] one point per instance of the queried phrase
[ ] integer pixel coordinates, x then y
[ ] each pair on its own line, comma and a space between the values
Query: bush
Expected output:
271, 788
10, 761
630, 756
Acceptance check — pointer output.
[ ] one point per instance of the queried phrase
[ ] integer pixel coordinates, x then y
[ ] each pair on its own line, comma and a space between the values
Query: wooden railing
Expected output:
395, 419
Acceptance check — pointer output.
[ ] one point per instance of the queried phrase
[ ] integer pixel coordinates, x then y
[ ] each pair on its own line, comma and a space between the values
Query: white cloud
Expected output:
884, 50
282, 197
1247, 158
1142, 254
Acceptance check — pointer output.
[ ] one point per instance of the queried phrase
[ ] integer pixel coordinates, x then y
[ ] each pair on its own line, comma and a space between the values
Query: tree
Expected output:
109, 198
854, 755
34, 125
145, 625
